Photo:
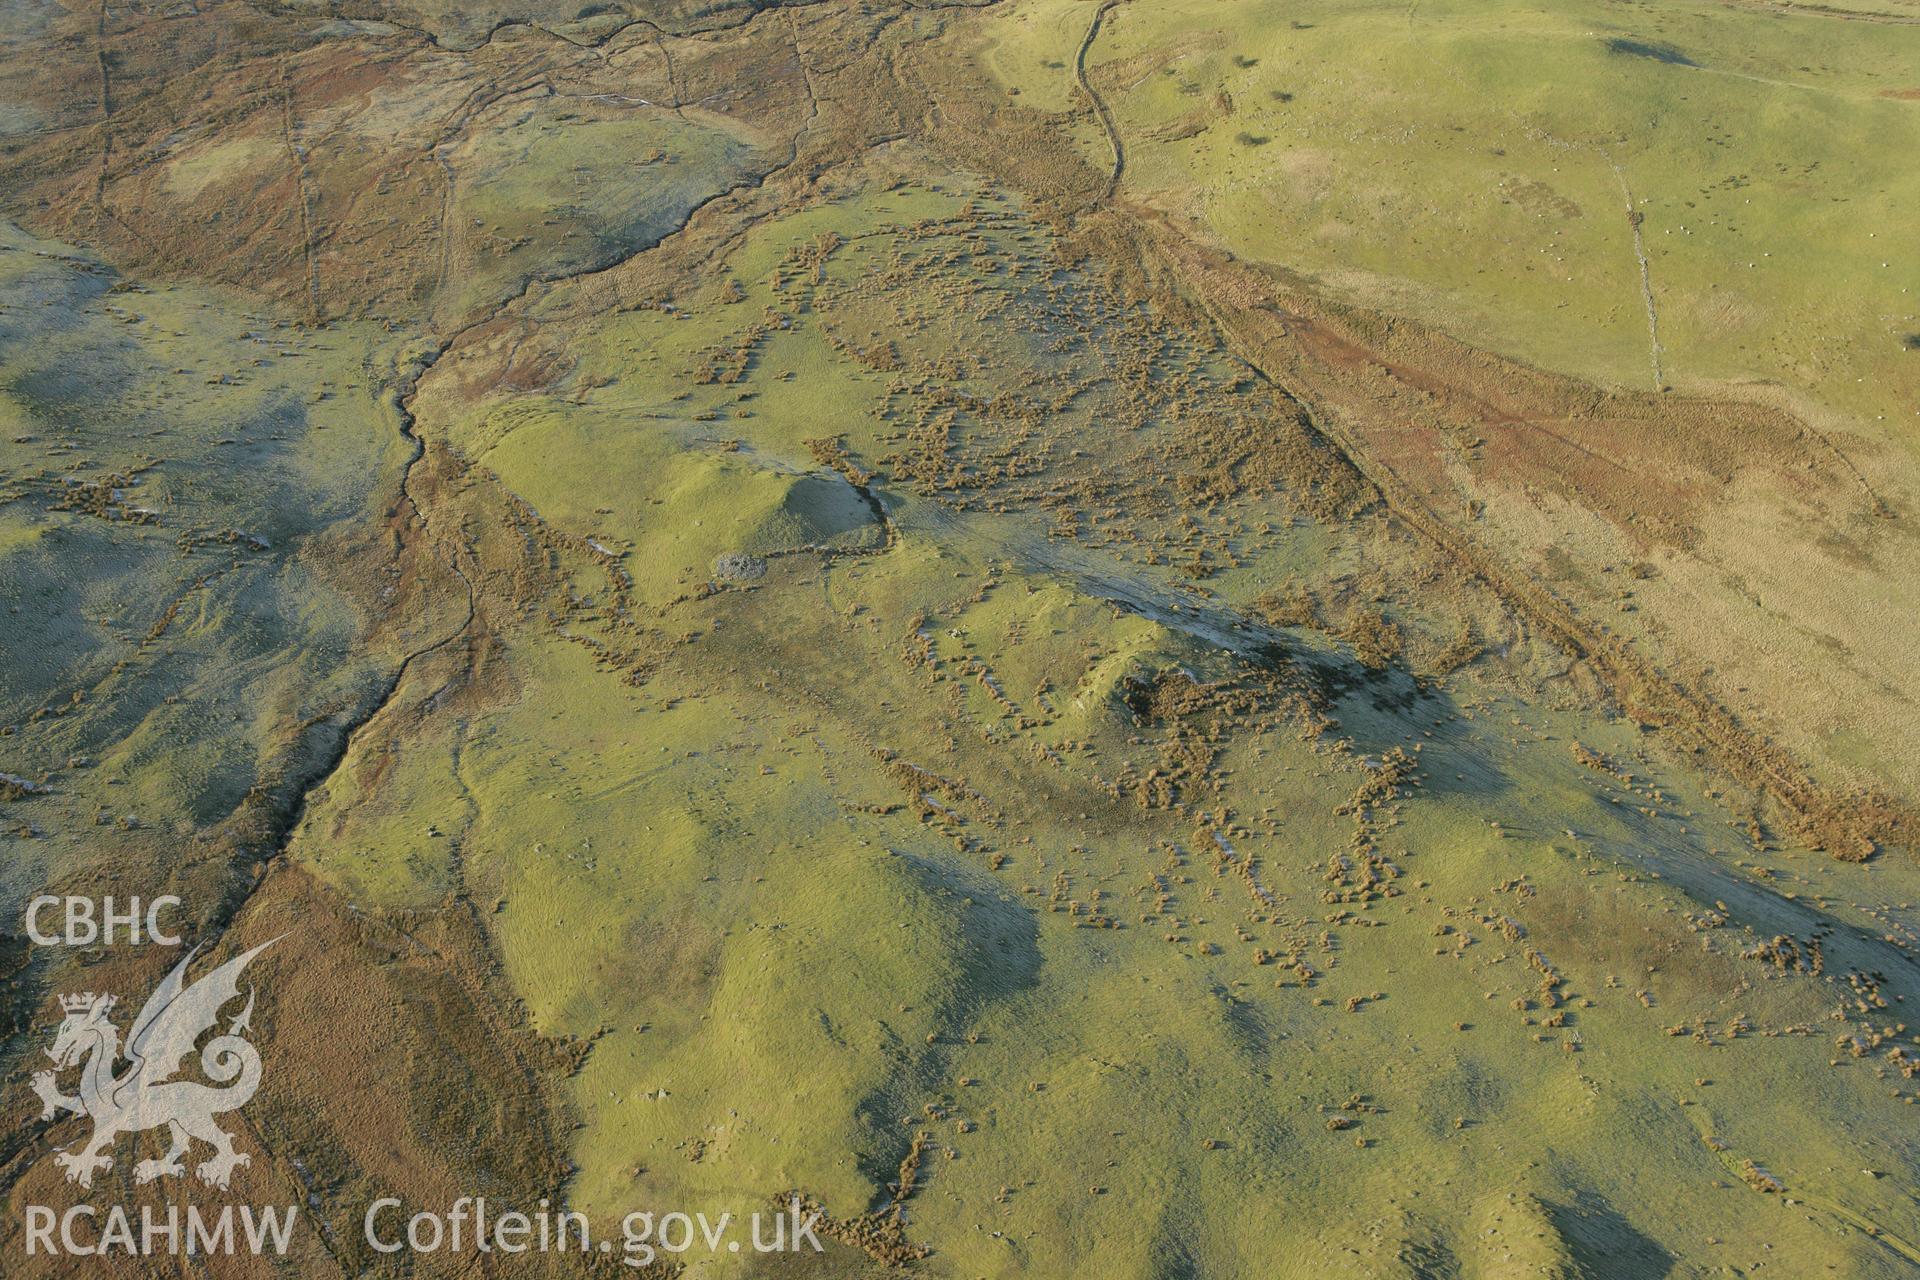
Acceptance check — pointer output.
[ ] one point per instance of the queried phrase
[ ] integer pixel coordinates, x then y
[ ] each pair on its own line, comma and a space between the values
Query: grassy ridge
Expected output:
1164, 935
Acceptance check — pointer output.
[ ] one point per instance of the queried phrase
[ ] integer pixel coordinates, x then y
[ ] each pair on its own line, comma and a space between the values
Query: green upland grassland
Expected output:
1473, 166
610, 177
1421, 973
920, 725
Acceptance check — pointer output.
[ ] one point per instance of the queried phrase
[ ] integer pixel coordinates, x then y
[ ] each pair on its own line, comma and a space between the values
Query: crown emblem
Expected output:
85, 1001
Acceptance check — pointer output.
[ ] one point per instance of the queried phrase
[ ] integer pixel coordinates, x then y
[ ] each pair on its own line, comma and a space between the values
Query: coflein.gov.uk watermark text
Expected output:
469, 1225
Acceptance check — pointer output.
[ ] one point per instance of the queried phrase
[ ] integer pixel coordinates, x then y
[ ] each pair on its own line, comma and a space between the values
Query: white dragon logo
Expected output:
144, 1096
